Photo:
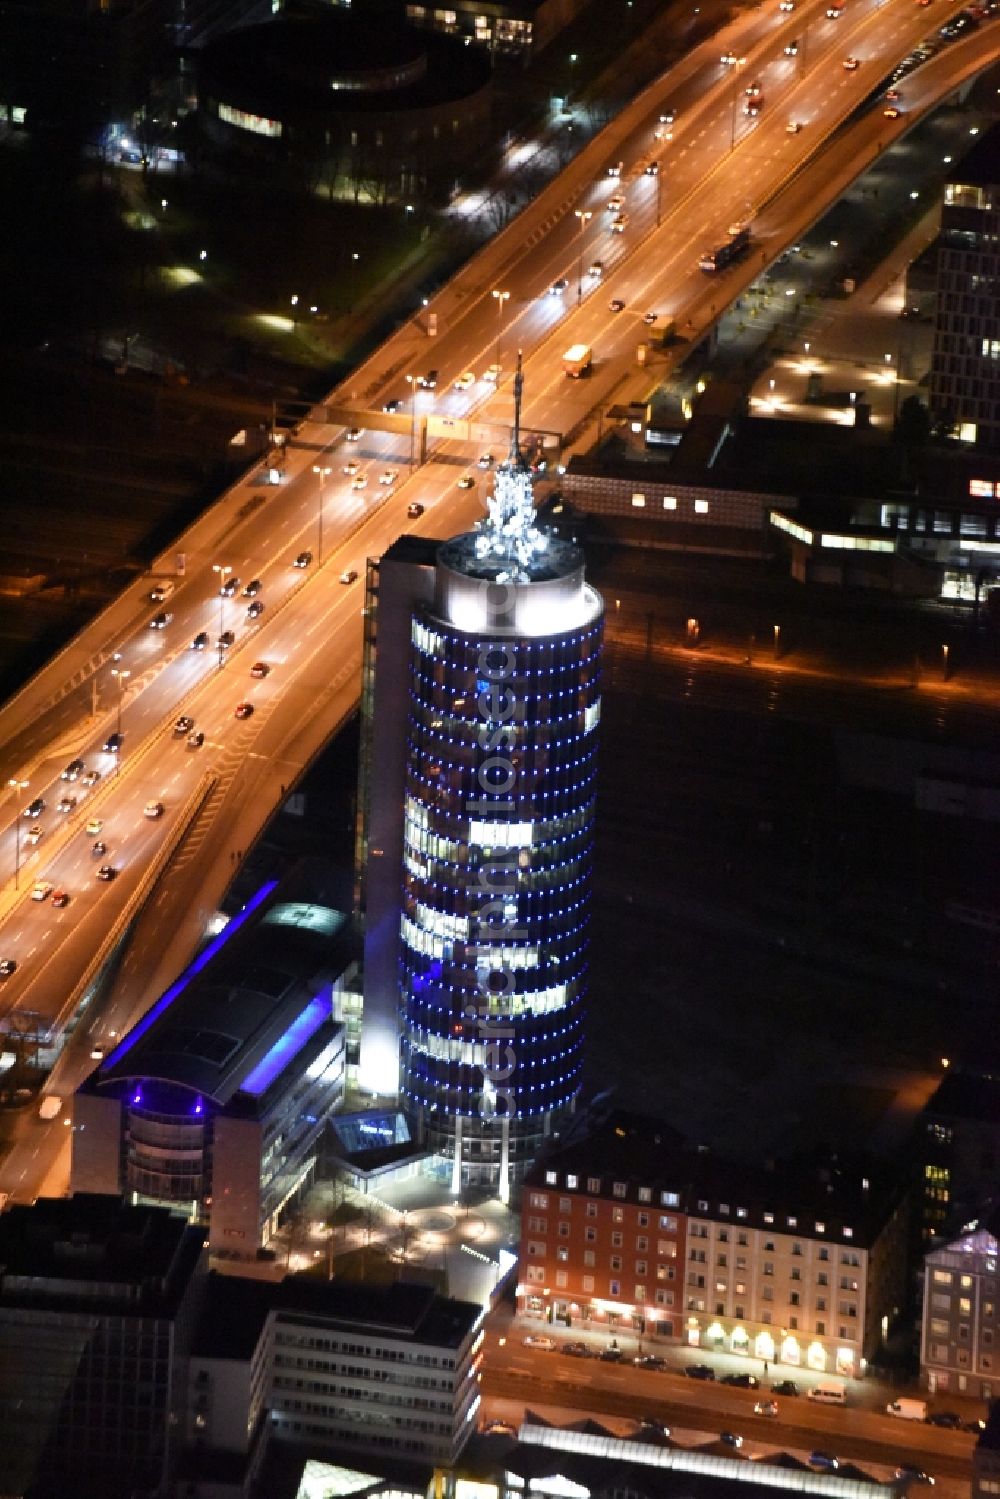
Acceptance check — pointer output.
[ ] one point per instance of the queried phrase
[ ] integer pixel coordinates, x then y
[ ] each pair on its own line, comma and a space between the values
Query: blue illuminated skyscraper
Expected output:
479, 816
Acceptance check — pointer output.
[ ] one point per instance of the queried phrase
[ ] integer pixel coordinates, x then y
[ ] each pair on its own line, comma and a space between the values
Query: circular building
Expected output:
362, 95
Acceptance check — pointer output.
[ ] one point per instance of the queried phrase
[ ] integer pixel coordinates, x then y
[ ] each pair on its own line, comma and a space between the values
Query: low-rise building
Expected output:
216, 1101
799, 1263
960, 1332
98, 1302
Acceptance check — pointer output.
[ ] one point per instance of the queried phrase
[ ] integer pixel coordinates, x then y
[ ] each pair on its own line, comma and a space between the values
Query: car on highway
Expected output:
616, 305
243, 710
892, 112
99, 849
66, 804
616, 169
388, 476
741, 1381
753, 89
195, 740
200, 641
35, 808
913, 1474
428, 381
414, 509
153, 809
652, 169
950, 1420
785, 1387
160, 621
786, 5
230, 587
97, 1053
823, 1460
649, 1361
259, 669
765, 1408
615, 203
851, 64
253, 588
700, 1371
107, 872
34, 834
620, 224
793, 127
72, 770
360, 482
499, 1429
649, 318
395, 404
94, 826
225, 640
485, 460
492, 374
43, 889
303, 559
466, 482
90, 778
349, 575
354, 434
753, 106
791, 49
465, 379
184, 724
256, 609
668, 116
352, 467
59, 898
730, 1439
539, 1340
834, 12
7, 967
596, 269
558, 287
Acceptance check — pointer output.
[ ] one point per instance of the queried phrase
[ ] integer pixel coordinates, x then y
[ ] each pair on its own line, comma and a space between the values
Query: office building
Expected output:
97, 1306
215, 1102
965, 367
382, 1370
960, 1332
956, 1152
481, 703
801, 1264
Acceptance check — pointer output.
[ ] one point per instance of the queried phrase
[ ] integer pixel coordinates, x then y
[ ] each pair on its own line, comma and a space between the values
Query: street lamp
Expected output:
584, 215
322, 474
18, 786
121, 677
223, 570
572, 65
502, 297
411, 381
737, 71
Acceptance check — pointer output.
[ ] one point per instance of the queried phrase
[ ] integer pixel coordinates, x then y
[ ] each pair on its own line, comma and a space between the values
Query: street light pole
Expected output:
323, 474
411, 381
18, 786
223, 570
502, 297
584, 215
121, 677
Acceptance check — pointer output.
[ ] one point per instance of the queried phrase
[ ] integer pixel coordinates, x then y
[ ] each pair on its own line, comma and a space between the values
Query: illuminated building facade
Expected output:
965, 368
960, 1334
216, 1100
800, 1266
479, 836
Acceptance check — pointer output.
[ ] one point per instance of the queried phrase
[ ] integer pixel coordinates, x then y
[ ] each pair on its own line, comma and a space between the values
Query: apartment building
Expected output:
956, 1151
960, 1333
799, 1263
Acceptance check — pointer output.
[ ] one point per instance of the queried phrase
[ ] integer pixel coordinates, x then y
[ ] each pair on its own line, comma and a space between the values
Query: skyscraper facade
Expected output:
485, 944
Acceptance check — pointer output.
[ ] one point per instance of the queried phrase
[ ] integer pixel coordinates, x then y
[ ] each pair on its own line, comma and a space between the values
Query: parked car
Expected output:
611, 1355
539, 1340
650, 1361
951, 1420
785, 1387
742, 1381
700, 1371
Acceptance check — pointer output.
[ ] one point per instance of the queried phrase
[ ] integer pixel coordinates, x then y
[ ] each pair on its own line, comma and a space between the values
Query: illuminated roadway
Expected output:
718, 165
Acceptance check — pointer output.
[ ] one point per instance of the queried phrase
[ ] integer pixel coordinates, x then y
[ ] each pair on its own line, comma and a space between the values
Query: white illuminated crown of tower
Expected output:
509, 536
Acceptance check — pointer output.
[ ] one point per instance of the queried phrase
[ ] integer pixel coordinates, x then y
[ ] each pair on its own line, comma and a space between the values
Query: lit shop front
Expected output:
775, 1347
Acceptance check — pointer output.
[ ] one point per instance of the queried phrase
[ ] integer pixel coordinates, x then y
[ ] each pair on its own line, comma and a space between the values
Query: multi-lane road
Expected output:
715, 164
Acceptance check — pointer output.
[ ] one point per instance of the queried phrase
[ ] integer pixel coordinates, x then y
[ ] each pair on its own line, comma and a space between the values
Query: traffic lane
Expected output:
850, 1433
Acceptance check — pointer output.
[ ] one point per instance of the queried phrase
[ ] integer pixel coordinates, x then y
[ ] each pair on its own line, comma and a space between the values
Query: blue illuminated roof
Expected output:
179, 985
287, 1046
